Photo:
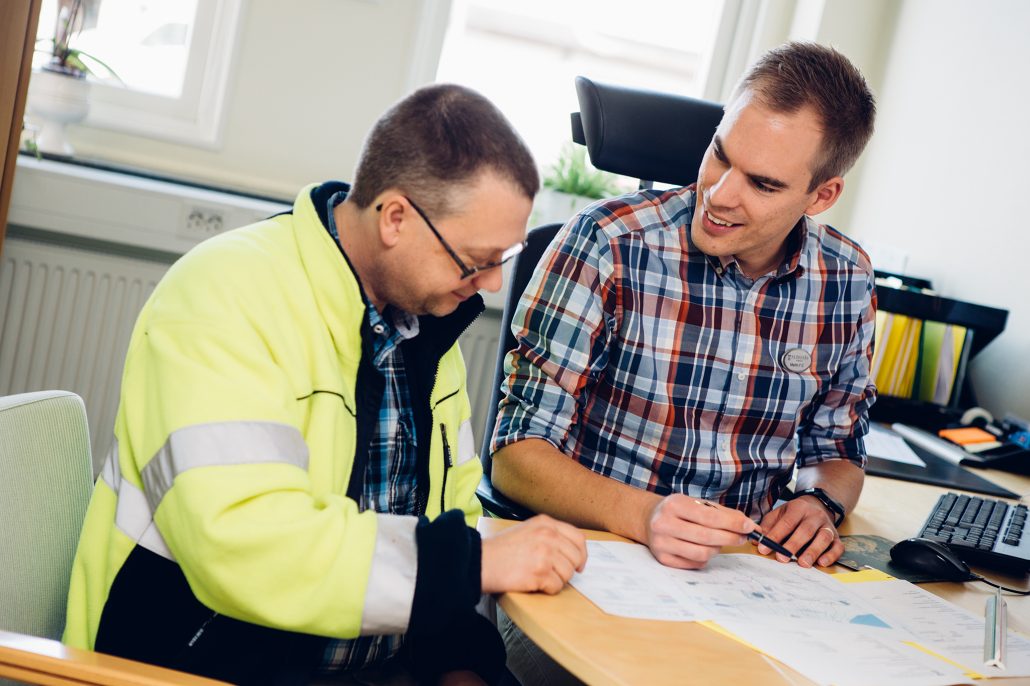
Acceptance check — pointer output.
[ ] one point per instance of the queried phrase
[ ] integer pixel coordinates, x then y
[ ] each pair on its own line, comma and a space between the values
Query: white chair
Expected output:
46, 479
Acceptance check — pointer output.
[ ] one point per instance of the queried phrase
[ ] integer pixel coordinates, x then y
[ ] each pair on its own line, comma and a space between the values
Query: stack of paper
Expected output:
858, 628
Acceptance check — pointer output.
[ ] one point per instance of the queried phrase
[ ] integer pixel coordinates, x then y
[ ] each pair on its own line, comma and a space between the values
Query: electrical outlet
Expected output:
202, 222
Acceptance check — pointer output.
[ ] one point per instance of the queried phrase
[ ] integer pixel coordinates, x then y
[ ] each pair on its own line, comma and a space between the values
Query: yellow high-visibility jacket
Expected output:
235, 442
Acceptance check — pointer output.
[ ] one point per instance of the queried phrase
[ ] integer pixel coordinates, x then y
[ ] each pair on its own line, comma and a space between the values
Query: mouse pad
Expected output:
865, 550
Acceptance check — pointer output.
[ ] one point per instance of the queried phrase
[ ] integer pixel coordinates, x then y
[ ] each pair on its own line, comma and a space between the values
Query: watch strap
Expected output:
835, 508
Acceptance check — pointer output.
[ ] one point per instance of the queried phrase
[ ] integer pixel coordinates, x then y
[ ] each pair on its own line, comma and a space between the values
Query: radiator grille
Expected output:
65, 319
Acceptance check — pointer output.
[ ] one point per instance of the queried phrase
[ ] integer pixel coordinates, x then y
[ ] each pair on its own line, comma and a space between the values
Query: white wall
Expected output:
945, 175
310, 77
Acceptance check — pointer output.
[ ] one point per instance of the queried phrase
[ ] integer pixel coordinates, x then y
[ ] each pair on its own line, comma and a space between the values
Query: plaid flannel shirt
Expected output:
661, 367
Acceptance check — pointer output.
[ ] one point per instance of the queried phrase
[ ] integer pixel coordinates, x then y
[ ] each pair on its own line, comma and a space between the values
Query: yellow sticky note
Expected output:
862, 576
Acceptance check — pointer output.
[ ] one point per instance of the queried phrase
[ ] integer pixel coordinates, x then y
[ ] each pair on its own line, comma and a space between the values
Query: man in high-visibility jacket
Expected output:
292, 489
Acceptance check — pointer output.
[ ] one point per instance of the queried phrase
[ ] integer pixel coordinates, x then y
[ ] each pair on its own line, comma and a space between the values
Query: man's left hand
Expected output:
800, 522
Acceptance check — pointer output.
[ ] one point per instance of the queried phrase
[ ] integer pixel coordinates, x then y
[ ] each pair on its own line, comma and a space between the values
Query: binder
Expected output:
924, 345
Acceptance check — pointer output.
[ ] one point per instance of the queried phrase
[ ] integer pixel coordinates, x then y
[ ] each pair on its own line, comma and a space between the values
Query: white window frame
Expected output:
734, 49
196, 117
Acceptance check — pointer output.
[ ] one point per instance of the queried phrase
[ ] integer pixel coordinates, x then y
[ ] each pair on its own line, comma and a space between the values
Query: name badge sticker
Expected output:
796, 360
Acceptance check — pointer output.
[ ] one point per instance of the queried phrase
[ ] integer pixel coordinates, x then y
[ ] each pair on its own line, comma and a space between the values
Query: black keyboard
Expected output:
981, 531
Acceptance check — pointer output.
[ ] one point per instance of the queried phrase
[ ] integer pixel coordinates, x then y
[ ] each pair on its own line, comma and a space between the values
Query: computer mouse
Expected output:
930, 558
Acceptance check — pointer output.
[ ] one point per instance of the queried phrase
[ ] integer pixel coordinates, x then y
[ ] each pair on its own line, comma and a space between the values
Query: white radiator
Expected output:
85, 249
65, 319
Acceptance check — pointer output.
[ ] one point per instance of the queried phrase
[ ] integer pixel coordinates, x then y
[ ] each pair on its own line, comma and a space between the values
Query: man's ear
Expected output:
391, 218
825, 195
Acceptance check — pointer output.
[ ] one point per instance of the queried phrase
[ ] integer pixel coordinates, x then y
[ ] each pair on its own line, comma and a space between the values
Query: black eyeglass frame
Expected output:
466, 271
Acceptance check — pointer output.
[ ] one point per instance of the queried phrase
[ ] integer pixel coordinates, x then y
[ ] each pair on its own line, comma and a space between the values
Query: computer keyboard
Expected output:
981, 531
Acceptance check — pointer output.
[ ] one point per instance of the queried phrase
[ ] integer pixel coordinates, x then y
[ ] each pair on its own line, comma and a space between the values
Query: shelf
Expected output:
986, 322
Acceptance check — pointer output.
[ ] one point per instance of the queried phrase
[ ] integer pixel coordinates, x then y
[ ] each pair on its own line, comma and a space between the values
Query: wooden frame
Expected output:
42, 661
18, 21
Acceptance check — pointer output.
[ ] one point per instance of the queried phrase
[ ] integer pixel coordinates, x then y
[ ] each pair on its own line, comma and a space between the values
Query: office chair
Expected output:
655, 137
495, 502
46, 478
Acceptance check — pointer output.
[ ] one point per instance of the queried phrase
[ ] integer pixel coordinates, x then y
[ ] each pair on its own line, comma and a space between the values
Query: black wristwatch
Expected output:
835, 508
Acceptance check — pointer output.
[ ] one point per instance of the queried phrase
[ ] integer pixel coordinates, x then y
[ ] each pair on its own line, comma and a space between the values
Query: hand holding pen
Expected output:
685, 532
760, 538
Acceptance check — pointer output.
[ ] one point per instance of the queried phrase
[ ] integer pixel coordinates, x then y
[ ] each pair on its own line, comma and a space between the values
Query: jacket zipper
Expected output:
447, 464
421, 503
422, 496
200, 631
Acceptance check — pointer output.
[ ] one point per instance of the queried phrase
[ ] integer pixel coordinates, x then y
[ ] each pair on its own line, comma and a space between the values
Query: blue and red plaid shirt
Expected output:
661, 367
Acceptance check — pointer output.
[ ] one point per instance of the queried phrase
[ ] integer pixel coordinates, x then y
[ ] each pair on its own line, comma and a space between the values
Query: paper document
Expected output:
886, 632
883, 443
943, 627
847, 656
624, 579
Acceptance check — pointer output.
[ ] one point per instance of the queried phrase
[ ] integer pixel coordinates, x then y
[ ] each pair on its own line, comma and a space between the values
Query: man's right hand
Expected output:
540, 554
686, 532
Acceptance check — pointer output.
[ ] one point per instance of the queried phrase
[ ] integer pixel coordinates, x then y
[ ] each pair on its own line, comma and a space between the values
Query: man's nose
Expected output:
725, 192
489, 280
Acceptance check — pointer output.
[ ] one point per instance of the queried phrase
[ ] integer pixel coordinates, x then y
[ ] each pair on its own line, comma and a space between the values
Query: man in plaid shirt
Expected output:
693, 346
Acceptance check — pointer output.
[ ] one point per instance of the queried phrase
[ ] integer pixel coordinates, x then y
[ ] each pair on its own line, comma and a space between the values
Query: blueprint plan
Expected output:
624, 579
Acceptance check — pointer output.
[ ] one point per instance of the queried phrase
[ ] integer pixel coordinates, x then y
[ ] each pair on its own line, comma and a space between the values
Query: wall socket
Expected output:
202, 222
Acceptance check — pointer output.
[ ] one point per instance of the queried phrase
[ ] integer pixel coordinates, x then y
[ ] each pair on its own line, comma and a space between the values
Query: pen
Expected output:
772, 545
758, 537
995, 631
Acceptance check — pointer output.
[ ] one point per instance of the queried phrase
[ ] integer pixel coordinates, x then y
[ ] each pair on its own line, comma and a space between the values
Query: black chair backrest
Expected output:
644, 134
523, 267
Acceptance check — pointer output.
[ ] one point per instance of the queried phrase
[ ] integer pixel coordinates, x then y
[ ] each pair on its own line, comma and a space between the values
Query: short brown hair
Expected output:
434, 139
797, 74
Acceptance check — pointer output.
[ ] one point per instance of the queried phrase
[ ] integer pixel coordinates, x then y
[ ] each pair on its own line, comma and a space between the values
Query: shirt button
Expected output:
379, 328
742, 375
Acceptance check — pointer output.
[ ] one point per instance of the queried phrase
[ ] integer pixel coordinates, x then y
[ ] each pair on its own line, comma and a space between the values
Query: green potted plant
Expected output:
571, 184
59, 90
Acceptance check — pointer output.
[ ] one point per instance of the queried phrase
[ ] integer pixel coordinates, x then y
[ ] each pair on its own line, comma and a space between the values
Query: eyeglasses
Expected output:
466, 271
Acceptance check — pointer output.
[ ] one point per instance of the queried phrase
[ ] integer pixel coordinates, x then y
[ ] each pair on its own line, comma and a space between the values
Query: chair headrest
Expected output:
644, 134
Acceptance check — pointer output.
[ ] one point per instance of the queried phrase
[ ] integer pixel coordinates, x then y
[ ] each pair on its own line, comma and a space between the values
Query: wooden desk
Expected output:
605, 649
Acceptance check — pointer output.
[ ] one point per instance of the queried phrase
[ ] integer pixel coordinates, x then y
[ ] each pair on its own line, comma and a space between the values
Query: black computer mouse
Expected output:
930, 558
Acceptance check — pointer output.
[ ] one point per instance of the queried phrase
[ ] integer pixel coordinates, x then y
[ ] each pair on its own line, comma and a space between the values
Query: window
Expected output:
525, 56
172, 57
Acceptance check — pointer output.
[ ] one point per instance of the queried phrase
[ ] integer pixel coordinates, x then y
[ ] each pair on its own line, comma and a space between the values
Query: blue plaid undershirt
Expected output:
391, 470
